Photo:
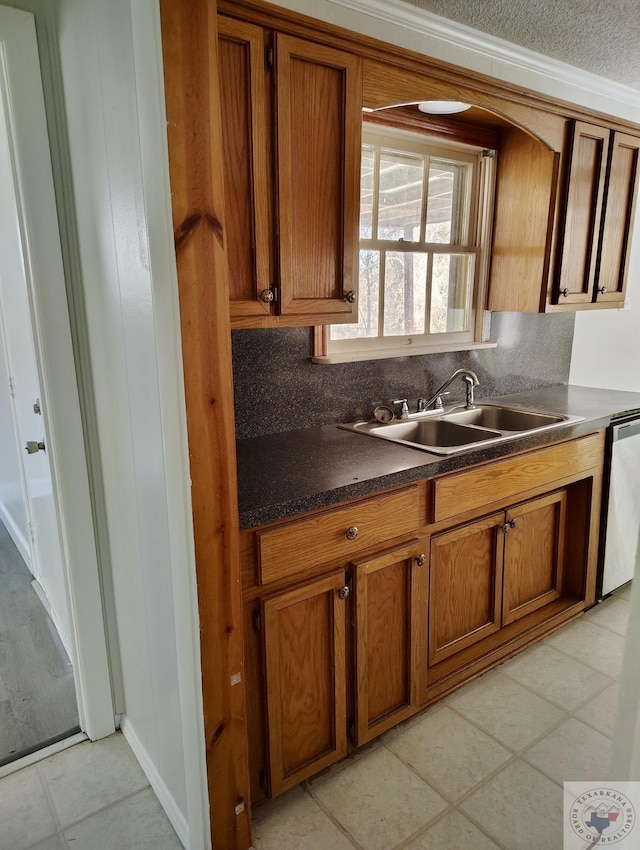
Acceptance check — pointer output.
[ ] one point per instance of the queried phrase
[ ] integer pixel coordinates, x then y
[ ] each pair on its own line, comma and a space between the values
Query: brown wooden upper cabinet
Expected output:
563, 220
596, 217
291, 119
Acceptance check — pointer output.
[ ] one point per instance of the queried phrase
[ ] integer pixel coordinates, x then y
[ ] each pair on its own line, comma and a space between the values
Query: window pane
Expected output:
405, 281
368, 300
452, 278
400, 196
446, 203
366, 192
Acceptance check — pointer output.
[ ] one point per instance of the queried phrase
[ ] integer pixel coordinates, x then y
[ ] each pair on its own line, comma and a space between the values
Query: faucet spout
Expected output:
471, 380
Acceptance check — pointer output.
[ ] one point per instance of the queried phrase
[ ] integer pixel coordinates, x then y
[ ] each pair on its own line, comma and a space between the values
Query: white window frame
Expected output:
477, 246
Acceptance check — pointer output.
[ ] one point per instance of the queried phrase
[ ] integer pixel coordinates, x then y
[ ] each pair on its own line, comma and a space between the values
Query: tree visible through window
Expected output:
420, 241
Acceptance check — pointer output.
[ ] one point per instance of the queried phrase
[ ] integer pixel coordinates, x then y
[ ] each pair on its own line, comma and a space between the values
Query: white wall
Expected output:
12, 507
127, 269
606, 343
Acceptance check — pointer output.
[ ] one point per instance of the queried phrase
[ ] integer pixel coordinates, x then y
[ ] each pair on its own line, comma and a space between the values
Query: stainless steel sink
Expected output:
459, 429
433, 435
502, 418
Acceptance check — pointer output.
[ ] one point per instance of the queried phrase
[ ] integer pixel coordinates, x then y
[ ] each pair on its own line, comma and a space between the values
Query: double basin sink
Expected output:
459, 429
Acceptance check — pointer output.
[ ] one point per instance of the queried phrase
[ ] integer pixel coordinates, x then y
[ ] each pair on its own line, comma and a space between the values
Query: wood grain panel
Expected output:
386, 85
190, 57
286, 549
504, 480
246, 156
460, 668
534, 556
319, 120
304, 633
465, 586
621, 198
256, 707
526, 192
582, 210
390, 639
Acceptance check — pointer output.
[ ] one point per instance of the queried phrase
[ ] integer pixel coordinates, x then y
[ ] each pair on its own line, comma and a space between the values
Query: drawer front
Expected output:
466, 491
340, 533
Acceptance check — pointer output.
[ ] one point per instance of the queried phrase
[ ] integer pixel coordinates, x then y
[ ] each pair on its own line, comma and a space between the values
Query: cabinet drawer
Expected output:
466, 491
300, 545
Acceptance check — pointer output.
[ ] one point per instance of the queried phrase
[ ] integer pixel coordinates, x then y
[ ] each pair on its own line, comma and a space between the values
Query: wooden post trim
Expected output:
189, 38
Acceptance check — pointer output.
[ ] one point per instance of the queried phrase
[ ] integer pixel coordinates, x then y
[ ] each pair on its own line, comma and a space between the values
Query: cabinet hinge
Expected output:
351, 730
256, 621
487, 153
276, 294
268, 57
348, 580
12, 387
262, 779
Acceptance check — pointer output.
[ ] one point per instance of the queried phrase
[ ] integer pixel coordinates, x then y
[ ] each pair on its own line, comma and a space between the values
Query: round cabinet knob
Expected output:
602, 290
351, 533
564, 292
513, 523
350, 296
343, 592
421, 559
267, 295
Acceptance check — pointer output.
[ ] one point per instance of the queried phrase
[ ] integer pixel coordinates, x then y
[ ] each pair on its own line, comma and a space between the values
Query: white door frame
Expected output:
22, 94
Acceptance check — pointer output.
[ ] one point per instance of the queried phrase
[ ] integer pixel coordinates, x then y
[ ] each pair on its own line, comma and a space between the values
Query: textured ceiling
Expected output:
600, 36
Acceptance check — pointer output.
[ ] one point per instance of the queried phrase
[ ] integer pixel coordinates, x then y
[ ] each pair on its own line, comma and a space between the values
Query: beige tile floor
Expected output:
476, 770
92, 796
479, 768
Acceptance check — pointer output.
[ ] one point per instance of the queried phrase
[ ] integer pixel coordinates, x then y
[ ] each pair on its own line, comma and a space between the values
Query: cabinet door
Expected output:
304, 634
247, 174
319, 119
622, 188
390, 638
578, 239
533, 556
465, 586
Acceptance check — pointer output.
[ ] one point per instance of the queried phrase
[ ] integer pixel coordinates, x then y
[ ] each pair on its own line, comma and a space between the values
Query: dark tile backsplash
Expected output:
278, 388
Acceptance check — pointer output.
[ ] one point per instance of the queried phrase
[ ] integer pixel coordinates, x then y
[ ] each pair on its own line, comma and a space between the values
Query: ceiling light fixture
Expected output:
442, 107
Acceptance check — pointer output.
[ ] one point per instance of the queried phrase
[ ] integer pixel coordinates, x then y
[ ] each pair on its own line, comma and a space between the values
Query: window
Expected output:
425, 208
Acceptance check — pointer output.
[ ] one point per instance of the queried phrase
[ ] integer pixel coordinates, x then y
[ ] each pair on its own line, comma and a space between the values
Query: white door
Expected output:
28, 404
58, 481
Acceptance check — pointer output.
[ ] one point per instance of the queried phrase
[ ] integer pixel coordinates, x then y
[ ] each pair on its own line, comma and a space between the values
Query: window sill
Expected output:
355, 357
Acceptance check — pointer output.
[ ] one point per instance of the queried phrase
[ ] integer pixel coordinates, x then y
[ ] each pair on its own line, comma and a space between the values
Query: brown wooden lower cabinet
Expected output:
491, 572
533, 555
304, 640
465, 586
373, 636
389, 638
305, 650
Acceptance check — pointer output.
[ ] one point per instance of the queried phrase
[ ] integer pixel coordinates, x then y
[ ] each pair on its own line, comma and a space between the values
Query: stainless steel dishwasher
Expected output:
620, 531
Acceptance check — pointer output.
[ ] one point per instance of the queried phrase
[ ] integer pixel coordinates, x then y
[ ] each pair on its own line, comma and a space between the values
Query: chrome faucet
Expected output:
471, 380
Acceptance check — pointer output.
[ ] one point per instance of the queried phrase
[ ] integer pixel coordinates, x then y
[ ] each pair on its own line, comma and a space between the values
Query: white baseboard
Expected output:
166, 800
16, 535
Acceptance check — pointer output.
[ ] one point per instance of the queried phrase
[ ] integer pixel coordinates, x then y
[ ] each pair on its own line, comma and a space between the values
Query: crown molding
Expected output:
478, 50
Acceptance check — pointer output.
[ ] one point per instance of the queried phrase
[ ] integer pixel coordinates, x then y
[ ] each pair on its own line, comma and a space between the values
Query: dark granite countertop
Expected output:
281, 475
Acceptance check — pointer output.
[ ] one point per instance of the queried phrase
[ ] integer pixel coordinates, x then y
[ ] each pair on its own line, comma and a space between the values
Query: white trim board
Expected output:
402, 24
165, 798
154, 158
